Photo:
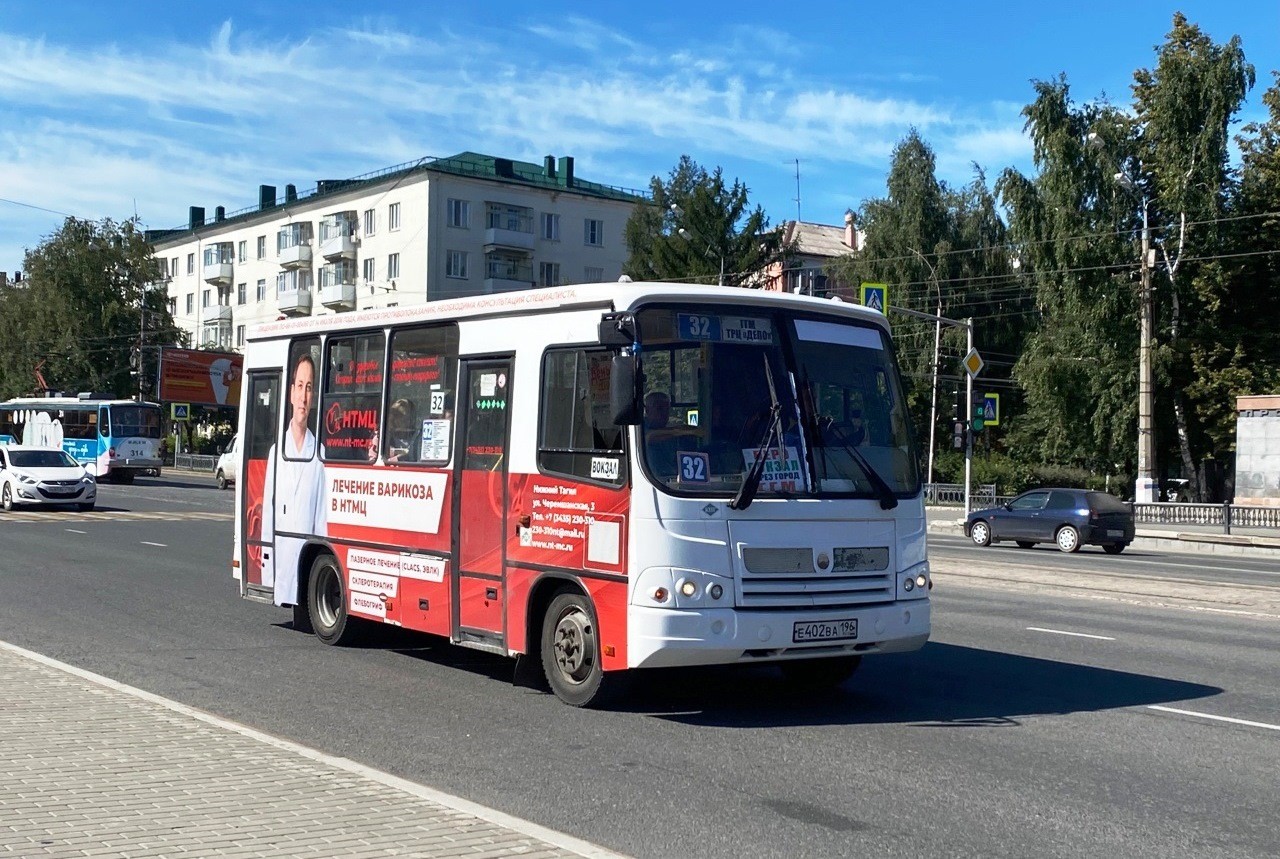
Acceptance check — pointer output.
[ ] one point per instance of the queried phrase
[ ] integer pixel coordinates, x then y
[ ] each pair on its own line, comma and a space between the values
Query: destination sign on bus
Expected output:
725, 329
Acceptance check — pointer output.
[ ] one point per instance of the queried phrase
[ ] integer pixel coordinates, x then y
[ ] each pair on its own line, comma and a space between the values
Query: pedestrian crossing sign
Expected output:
180, 411
875, 296
991, 410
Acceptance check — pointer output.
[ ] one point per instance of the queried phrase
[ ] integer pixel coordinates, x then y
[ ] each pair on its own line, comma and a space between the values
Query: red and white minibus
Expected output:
599, 477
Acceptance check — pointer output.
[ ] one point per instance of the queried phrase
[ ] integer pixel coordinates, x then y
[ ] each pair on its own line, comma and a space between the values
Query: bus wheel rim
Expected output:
574, 645
330, 598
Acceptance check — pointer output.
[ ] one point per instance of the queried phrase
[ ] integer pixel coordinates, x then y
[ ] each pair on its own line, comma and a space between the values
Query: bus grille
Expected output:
785, 579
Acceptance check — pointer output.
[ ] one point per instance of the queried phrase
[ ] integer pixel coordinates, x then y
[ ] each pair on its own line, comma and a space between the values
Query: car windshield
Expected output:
41, 459
817, 400
135, 421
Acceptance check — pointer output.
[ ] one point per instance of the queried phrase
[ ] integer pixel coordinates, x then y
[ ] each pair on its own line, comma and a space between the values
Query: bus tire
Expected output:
327, 603
571, 653
819, 673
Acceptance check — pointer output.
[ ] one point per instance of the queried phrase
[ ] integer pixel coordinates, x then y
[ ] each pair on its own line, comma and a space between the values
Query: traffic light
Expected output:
957, 407
957, 435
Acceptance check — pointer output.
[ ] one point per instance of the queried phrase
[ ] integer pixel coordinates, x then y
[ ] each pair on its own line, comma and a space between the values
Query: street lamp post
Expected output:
937, 344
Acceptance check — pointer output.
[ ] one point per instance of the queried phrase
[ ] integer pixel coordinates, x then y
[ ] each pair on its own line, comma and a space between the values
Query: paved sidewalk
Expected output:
90, 767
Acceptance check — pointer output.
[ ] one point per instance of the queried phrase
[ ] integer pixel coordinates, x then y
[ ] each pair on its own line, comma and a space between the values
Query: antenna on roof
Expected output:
797, 190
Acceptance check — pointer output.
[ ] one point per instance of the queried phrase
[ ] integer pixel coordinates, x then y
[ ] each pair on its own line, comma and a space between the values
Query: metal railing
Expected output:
952, 494
1226, 515
195, 461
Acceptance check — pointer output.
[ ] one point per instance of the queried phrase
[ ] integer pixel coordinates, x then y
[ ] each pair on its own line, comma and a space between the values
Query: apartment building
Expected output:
442, 228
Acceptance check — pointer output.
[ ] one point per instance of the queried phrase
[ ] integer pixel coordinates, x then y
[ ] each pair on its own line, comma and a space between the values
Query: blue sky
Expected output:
109, 108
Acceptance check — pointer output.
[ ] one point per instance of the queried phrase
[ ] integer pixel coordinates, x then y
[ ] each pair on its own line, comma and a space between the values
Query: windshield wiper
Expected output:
888, 500
751, 483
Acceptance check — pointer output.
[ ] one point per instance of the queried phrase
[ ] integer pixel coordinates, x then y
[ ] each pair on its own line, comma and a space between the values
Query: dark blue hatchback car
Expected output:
1069, 517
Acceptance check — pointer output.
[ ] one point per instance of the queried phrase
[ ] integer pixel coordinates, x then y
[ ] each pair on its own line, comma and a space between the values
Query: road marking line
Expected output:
1215, 718
74, 531
1073, 634
149, 543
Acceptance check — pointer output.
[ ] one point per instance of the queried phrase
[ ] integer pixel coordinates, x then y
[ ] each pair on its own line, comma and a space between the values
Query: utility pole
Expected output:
1145, 490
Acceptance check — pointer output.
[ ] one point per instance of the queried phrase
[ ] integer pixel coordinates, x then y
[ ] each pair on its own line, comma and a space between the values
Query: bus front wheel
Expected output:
571, 653
327, 603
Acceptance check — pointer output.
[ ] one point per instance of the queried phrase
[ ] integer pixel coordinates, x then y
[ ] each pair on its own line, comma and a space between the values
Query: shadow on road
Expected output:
943, 686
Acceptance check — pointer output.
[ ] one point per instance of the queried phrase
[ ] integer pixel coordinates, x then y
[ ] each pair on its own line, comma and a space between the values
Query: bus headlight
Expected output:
913, 582
665, 587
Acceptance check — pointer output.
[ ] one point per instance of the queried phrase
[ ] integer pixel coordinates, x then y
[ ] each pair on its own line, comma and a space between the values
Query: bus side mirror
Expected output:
624, 390
617, 330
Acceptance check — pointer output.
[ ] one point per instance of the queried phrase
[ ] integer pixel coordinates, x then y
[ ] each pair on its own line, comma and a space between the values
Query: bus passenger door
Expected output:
480, 502
261, 425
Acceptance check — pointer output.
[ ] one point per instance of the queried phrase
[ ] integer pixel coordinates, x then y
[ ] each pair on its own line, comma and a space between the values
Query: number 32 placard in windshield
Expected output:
725, 329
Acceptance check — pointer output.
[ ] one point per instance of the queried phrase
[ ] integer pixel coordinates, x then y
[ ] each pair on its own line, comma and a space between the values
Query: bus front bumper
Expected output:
660, 637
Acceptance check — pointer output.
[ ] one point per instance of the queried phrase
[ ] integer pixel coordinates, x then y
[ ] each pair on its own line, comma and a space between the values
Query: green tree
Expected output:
1184, 108
82, 312
699, 229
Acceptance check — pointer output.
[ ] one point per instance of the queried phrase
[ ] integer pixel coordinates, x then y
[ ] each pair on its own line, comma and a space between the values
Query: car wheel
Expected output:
816, 674
1068, 539
571, 654
980, 533
1026, 544
1114, 548
327, 604
6, 498
222, 480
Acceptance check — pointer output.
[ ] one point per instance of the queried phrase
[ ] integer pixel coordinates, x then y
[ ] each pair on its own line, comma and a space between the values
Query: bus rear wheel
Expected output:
571, 654
327, 603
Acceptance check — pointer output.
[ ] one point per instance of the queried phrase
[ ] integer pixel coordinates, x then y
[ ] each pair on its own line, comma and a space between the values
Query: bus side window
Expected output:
104, 422
574, 435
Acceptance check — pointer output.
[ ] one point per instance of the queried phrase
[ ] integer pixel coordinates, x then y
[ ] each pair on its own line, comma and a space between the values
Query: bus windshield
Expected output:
135, 422
818, 400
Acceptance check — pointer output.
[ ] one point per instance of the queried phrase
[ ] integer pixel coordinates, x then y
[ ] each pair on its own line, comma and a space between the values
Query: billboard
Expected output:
200, 377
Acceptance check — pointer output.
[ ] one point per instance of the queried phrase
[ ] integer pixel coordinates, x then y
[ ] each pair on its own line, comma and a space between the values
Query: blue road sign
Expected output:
875, 296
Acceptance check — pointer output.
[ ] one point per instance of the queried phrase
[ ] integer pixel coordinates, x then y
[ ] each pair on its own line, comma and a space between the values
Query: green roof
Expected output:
473, 164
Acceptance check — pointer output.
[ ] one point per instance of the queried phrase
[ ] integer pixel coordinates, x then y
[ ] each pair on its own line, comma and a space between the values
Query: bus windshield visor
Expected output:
135, 421
720, 394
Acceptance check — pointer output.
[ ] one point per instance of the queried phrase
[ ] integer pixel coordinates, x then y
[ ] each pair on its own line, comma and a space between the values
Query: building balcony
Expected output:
218, 273
296, 256
294, 302
216, 333
217, 315
337, 246
496, 239
338, 286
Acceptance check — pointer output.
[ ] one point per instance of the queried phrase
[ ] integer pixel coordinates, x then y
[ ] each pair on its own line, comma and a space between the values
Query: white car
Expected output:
34, 475
228, 463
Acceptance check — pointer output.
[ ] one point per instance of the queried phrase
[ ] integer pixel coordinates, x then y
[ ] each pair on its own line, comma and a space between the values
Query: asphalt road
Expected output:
1040, 720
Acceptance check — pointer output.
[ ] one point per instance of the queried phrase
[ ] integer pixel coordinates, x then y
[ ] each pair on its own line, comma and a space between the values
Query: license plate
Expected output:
824, 630
1114, 533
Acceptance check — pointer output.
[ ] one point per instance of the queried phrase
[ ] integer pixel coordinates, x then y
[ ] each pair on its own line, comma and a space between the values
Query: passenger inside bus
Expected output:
404, 433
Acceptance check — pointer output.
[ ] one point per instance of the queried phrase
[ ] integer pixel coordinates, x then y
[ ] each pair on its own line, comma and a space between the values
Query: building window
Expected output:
241, 290
370, 222
393, 266
369, 267
262, 247
205, 297
191, 303
575, 435
242, 252
173, 269
460, 214
393, 216
191, 263
261, 294
593, 232
173, 306
548, 274
455, 264
240, 335
592, 274
551, 226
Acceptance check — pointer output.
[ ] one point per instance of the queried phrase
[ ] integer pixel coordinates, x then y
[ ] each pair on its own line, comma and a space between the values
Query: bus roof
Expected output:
614, 296
70, 402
